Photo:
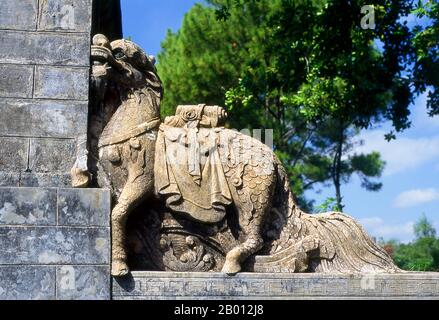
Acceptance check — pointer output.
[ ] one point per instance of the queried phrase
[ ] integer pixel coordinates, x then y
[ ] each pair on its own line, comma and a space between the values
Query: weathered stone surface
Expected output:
30, 179
84, 207
65, 15
16, 81
245, 286
9, 179
13, 154
61, 83
39, 118
44, 54
44, 76
46, 260
44, 48
27, 283
27, 206
52, 155
18, 15
83, 282
51, 245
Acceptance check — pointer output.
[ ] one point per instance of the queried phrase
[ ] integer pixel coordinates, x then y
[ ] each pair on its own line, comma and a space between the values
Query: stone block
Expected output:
61, 83
281, 286
39, 118
52, 155
27, 283
16, 81
83, 282
27, 206
14, 154
9, 179
65, 15
54, 245
44, 48
18, 15
84, 207
42, 180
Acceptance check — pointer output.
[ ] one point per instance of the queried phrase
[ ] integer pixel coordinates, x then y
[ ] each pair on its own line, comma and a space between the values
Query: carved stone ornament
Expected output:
191, 195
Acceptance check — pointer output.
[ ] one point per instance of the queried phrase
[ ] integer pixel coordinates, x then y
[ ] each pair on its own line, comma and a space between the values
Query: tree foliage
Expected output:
424, 229
425, 72
421, 254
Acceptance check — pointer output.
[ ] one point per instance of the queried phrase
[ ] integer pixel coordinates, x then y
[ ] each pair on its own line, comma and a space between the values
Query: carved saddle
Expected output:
188, 170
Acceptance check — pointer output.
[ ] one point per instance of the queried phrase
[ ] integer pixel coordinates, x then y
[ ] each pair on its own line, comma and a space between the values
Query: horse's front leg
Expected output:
119, 216
132, 194
138, 187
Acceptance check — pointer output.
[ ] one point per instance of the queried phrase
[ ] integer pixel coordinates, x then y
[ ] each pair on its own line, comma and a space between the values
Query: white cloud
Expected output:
399, 231
400, 154
421, 119
376, 227
405, 153
372, 222
415, 197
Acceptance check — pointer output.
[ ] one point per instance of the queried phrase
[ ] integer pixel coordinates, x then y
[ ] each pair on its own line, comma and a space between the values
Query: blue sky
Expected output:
411, 177
147, 21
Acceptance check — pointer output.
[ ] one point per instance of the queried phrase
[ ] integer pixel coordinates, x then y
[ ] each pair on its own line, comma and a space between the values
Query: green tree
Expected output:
337, 144
200, 62
423, 62
426, 58
424, 229
421, 254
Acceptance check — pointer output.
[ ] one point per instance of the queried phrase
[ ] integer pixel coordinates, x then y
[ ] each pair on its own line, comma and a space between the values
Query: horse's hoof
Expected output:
231, 268
80, 178
119, 268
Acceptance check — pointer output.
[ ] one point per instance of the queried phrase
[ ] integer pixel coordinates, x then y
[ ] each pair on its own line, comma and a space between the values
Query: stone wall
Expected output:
55, 243
44, 77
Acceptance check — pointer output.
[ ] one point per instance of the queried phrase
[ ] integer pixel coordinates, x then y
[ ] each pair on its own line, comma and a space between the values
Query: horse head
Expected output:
123, 65
125, 93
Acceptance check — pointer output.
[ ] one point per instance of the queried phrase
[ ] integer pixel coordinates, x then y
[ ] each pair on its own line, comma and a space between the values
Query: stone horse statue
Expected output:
215, 173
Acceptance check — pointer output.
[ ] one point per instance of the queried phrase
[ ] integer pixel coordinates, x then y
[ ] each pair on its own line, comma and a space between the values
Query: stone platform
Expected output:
254, 286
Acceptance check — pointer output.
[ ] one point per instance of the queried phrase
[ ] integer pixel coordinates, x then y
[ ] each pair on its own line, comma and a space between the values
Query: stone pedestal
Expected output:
55, 243
256, 286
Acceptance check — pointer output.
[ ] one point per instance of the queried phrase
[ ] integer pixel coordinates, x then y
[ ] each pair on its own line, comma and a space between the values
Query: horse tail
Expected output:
333, 241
